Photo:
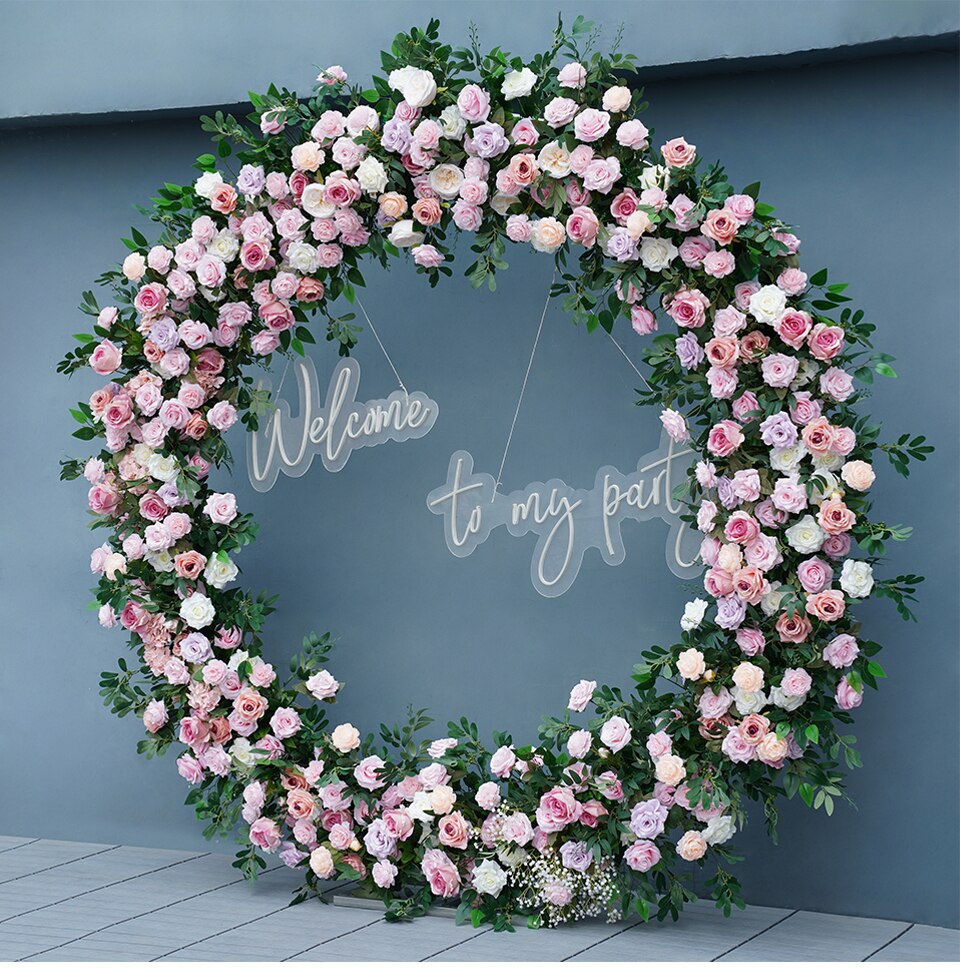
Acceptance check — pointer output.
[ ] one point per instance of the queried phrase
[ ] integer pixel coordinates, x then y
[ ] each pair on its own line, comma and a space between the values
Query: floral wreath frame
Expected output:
760, 375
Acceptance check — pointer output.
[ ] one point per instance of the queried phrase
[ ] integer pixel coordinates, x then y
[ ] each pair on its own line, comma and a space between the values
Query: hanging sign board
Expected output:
567, 521
331, 427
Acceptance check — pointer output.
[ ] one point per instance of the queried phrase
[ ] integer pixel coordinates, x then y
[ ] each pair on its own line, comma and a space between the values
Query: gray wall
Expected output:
862, 157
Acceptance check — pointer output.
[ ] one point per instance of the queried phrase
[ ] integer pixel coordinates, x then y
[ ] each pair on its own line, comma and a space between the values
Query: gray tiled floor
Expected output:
67, 901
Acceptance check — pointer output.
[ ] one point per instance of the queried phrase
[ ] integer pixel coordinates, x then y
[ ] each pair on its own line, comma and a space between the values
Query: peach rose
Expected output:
692, 846
669, 769
427, 212
772, 749
453, 831
393, 205
442, 799
858, 475
690, 663
345, 737
827, 605
835, 517
793, 628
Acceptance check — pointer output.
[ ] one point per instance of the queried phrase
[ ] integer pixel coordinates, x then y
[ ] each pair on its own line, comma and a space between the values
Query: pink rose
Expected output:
725, 438
633, 134
615, 734
474, 103
560, 112
502, 762
814, 575
105, 358
222, 416
441, 873
591, 124
558, 808
846, 696
221, 507
582, 226
367, 773
842, 651
678, 153
642, 855
572, 75
581, 694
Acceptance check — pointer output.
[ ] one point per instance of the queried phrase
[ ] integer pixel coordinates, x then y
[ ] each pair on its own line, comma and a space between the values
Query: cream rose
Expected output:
638, 223
446, 180
690, 663
418, 87
856, 578
617, 98
452, 123
489, 877
554, 159
313, 201
806, 535
657, 254
547, 235
345, 738
768, 304
692, 846
220, 571
748, 677
670, 769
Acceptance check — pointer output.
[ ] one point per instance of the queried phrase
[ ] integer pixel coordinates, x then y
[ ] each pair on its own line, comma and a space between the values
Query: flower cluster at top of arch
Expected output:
758, 366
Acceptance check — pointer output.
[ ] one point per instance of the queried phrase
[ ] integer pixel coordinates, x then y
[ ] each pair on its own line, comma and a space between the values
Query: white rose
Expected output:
141, 453
197, 610
237, 659
786, 702
224, 245
512, 856
554, 159
241, 753
160, 560
856, 578
806, 535
655, 176
822, 484
372, 176
768, 304
219, 572
501, 202
770, 601
312, 201
518, 84
828, 462
446, 180
163, 468
617, 98
489, 878
420, 807
303, 256
402, 234
787, 460
748, 702
693, 612
719, 830
205, 185
657, 254
418, 87
806, 372
452, 123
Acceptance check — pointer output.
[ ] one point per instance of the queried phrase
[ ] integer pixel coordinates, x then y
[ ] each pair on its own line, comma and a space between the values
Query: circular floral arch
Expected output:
758, 368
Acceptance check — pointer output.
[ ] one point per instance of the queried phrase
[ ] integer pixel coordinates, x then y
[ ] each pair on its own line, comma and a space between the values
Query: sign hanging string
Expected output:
626, 358
526, 376
396, 374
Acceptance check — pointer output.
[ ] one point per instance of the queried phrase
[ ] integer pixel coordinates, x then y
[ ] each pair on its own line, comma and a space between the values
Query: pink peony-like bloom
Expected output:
725, 438
642, 855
